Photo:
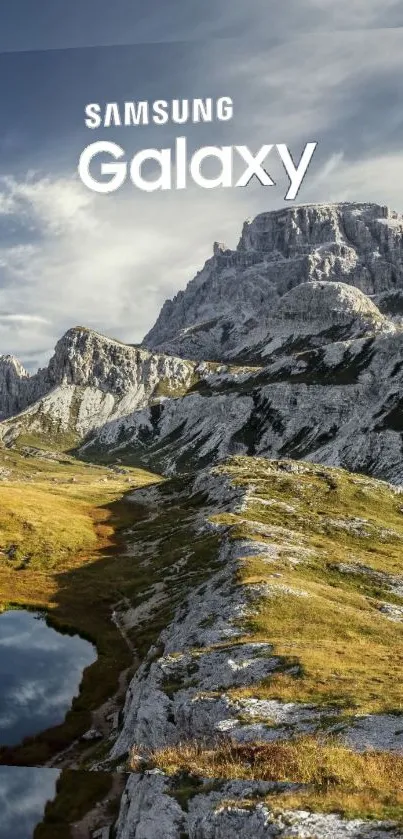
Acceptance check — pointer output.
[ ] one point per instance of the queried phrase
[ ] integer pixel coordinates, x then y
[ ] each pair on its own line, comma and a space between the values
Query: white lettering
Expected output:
254, 166
295, 174
163, 158
181, 163
202, 110
93, 115
225, 108
224, 155
112, 115
117, 170
136, 113
160, 112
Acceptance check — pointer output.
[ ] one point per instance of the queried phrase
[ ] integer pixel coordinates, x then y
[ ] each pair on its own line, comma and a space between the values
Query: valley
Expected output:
220, 512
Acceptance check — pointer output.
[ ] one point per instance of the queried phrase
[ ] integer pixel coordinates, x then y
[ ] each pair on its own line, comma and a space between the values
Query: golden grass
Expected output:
334, 777
47, 509
347, 652
64, 540
79, 588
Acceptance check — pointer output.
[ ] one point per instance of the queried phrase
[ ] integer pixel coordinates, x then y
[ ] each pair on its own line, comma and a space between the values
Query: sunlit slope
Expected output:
285, 664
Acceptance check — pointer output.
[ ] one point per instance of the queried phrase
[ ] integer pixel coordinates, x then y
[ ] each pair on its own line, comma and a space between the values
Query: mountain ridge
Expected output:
319, 377
236, 290
258, 582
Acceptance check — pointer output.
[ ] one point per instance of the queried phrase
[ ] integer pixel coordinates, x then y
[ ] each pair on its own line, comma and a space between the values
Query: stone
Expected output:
92, 734
225, 311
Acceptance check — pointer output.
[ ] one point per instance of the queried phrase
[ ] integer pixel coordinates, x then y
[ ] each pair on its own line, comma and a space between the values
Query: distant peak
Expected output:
359, 244
10, 362
219, 247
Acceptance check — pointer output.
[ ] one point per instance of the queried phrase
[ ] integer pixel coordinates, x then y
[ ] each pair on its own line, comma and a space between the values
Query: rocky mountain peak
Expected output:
219, 247
89, 379
304, 226
231, 300
316, 313
10, 365
85, 357
12, 374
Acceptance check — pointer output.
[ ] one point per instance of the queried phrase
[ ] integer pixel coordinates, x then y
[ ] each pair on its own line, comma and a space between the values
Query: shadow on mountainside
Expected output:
119, 573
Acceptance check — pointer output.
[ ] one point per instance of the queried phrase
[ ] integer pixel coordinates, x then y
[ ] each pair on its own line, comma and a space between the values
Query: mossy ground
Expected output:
332, 778
60, 529
70, 557
348, 653
335, 546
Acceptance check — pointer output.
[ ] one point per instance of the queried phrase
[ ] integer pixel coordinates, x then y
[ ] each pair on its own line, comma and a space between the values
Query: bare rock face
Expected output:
228, 305
328, 302
318, 313
339, 403
13, 377
185, 690
87, 359
89, 379
293, 299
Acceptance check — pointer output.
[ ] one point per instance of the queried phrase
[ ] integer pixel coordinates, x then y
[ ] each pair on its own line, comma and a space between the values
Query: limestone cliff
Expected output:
226, 308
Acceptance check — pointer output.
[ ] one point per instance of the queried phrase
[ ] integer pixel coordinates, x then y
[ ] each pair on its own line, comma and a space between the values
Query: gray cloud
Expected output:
92, 22
69, 256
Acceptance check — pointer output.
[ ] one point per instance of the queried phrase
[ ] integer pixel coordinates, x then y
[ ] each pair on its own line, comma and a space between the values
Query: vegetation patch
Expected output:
89, 551
76, 794
327, 622
332, 777
61, 526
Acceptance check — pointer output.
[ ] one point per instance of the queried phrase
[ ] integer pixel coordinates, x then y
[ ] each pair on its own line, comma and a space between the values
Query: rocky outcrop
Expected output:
315, 314
89, 380
186, 689
225, 311
85, 358
13, 380
340, 404
311, 297
150, 811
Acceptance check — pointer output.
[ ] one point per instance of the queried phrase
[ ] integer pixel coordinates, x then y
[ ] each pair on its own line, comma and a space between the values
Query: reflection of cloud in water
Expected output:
20, 640
40, 673
23, 795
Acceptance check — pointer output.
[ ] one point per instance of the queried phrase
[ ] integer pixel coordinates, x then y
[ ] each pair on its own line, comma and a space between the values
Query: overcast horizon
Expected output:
69, 256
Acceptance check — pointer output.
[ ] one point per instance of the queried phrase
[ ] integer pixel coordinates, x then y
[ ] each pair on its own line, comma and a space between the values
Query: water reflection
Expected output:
23, 795
40, 673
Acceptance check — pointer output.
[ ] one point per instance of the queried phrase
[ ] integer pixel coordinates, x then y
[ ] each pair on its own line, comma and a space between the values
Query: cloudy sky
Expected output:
320, 71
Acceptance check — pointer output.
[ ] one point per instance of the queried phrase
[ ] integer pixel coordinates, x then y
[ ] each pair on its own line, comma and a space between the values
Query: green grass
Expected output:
348, 653
60, 545
79, 586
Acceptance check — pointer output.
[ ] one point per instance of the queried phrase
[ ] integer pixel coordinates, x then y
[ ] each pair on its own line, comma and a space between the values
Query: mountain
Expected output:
259, 583
322, 379
279, 583
340, 404
13, 386
225, 311
89, 380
